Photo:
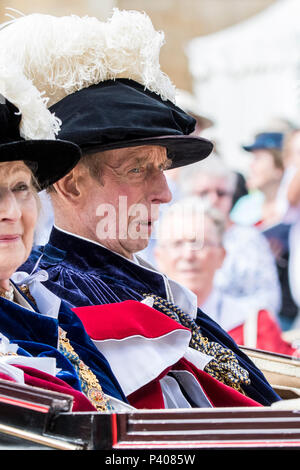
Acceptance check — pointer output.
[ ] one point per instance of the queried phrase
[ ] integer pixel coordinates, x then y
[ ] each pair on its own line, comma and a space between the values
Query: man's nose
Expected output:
159, 189
188, 251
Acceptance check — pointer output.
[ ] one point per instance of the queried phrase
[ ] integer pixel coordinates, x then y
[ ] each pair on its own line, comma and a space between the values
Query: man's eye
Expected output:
137, 170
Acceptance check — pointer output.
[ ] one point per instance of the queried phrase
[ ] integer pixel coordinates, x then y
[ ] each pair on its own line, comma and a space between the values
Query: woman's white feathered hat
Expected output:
103, 81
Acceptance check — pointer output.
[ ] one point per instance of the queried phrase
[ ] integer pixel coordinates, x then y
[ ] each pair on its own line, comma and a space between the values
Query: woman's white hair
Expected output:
211, 166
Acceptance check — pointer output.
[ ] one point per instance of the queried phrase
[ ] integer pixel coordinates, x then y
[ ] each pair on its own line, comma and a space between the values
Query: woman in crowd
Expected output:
263, 180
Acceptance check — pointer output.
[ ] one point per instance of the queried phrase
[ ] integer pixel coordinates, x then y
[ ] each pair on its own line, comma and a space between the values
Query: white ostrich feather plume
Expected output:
62, 55
37, 122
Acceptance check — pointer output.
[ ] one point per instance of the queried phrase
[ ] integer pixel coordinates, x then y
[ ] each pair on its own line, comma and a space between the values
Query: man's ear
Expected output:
67, 188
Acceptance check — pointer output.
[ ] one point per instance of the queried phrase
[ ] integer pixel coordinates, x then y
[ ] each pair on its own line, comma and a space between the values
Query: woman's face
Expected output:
262, 171
18, 216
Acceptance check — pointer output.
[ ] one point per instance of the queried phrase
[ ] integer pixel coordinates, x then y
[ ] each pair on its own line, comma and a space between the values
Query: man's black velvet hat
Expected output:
122, 113
49, 159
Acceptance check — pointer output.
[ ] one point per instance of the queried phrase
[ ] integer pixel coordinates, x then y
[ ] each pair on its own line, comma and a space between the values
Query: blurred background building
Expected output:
239, 58
181, 21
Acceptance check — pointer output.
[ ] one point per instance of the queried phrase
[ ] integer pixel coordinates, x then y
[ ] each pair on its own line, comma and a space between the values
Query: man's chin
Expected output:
138, 245
190, 278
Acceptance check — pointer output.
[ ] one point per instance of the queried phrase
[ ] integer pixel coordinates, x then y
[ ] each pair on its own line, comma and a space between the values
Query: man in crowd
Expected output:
116, 104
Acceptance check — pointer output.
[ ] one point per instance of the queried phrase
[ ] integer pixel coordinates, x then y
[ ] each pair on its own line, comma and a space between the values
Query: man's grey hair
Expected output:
211, 166
93, 163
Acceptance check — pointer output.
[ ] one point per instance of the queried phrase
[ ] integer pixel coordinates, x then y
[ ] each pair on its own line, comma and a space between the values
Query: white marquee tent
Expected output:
248, 74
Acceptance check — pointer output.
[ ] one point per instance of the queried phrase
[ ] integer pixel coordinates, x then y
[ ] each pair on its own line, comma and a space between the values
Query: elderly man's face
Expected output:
215, 189
119, 209
191, 258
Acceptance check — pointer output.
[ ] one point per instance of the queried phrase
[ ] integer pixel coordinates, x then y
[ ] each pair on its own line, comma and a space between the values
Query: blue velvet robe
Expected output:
85, 273
37, 335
